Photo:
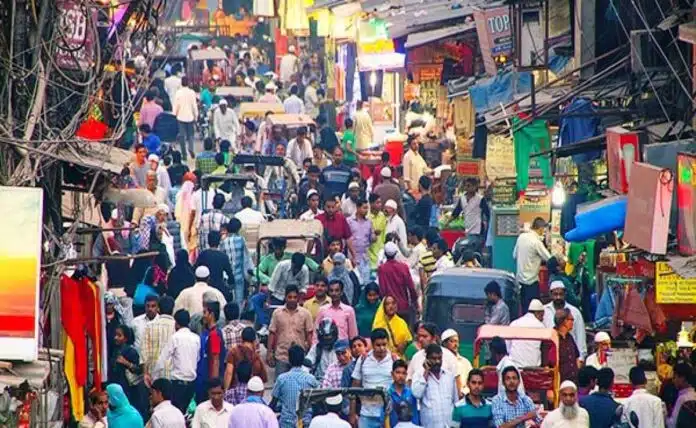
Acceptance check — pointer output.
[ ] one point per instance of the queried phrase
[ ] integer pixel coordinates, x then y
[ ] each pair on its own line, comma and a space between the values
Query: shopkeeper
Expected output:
602, 342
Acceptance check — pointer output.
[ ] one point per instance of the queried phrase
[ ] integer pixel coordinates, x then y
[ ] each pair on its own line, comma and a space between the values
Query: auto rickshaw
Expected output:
196, 64
241, 93
257, 111
455, 299
314, 398
537, 380
291, 122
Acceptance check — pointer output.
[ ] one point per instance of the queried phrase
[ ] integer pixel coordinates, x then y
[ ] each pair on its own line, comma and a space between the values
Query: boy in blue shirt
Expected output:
399, 392
151, 141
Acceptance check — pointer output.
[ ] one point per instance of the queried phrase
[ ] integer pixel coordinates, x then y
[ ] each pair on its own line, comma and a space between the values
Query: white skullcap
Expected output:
386, 172
390, 249
390, 204
535, 306
291, 49
153, 158
311, 192
353, 185
602, 337
114, 213
270, 86
556, 284
568, 384
202, 272
255, 384
222, 102
334, 400
163, 207
448, 334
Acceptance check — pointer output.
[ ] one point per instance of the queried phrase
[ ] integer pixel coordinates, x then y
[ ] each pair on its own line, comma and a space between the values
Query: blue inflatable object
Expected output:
603, 216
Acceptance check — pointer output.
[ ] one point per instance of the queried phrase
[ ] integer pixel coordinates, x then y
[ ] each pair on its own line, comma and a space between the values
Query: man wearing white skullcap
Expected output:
569, 414
602, 342
191, 298
395, 224
557, 290
527, 353
331, 419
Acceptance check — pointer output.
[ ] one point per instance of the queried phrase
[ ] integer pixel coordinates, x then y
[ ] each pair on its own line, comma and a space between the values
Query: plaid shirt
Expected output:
240, 260
157, 334
145, 229
210, 221
287, 390
205, 162
236, 394
232, 334
505, 411
333, 375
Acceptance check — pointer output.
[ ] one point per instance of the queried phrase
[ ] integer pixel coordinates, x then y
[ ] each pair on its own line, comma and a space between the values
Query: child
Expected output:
350, 157
258, 305
151, 141
238, 392
399, 393
335, 246
247, 140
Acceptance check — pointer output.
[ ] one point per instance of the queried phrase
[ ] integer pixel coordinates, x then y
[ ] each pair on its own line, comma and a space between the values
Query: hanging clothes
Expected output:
583, 124
480, 137
530, 138
293, 16
464, 116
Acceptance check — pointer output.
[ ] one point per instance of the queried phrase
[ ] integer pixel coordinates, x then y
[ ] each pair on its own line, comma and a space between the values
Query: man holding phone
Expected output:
435, 389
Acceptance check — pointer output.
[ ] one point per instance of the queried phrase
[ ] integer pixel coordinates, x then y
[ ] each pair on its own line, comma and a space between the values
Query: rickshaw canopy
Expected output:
259, 109
488, 332
291, 120
208, 54
235, 91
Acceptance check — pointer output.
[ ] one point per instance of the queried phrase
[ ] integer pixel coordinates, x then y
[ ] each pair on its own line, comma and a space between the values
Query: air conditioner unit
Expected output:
645, 56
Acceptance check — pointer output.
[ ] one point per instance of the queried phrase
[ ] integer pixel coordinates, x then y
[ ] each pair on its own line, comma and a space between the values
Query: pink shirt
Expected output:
149, 112
343, 316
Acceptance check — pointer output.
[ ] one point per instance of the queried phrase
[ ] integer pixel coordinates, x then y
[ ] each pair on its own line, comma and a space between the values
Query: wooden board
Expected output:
259, 109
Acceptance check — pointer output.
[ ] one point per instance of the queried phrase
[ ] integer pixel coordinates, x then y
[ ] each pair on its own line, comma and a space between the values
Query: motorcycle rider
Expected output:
321, 355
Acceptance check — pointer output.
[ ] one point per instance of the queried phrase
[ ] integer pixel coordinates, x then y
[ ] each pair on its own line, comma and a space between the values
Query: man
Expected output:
601, 405
557, 290
248, 215
569, 414
141, 321
235, 247
218, 264
450, 343
150, 110
401, 394
289, 66
334, 372
335, 225
320, 298
191, 298
395, 280
414, 164
173, 82
287, 388
300, 147
475, 210
288, 273
404, 416
293, 104
372, 371
511, 408
98, 406
290, 324
186, 112
150, 140
226, 124
683, 377
529, 252
442, 256
214, 413
395, 224
320, 356
253, 412
312, 206
379, 228
499, 355
331, 419
164, 413
232, 331
245, 351
435, 389
270, 261
270, 96
527, 353
649, 408
311, 98
341, 314
276, 137
602, 342
157, 334
205, 160
211, 221
358, 348
424, 207
310, 182
163, 180
336, 176
364, 134
497, 311
213, 351
587, 381
349, 201
473, 411
160, 196
389, 190
177, 170
567, 349
361, 236
139, 167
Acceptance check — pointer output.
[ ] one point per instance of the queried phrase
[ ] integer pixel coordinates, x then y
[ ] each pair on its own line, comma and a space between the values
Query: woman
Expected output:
137, 273
181, 276
397, 329
126, 371
341, 273
147, 287
114, 318
121, 414
366, 309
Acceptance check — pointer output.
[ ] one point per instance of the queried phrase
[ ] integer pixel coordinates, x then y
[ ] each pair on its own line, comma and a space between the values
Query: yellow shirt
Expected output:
364, 134
327, 265
414, 168
379, 222
313, 306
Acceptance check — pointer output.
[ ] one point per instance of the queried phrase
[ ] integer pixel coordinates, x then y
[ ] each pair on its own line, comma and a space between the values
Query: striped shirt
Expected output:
436, 396
428, 262
232, 333
466, 414
287, 391
157, 334
504, 410
210, 221
240, 260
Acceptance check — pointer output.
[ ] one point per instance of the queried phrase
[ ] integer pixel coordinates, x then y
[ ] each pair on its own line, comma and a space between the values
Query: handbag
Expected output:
143, 290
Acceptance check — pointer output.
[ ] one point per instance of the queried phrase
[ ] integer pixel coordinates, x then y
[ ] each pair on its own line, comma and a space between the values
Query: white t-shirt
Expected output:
529, 252
250, 216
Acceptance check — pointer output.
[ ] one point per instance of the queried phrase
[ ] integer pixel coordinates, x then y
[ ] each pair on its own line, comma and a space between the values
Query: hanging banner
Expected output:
686, 198
75, 50
671, 287
500, 157
21, 210
494, 34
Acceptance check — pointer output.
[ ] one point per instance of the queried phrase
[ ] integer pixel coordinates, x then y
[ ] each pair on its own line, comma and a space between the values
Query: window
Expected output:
467, 313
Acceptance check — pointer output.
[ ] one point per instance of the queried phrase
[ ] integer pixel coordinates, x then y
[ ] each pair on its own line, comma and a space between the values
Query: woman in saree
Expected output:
397, 329
366, 309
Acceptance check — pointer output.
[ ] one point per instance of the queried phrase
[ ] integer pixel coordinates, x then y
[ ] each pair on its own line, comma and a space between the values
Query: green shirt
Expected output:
379, 222
468, 415
348, 141
269, 263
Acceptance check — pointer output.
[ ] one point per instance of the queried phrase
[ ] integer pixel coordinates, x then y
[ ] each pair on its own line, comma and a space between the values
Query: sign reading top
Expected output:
494, 31
671, 287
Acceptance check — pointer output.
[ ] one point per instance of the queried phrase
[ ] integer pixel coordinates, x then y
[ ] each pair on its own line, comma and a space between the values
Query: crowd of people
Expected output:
200, 331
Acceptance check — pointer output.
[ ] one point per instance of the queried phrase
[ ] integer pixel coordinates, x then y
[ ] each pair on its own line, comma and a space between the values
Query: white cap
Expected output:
255, 384
391, 204
556, 284
568, 384
448, 334
602, 337
222, 102
291, 48
390, 249
153, 158
202, 272
163, 207
334, 400
536, 306
386, 172
114, 213
270, 86
353, 185
311, 192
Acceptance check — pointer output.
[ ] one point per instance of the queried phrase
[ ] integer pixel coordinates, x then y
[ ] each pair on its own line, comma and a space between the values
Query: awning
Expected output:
328, 4
98, 156
425, 37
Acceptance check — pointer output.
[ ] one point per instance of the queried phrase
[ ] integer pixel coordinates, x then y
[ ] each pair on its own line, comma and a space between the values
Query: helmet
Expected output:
327, 333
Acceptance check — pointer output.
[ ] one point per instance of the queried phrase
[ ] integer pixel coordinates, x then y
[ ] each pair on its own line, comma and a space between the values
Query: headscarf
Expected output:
365, 311
110, 299
121, 414
181, 276
397, 329
342, 274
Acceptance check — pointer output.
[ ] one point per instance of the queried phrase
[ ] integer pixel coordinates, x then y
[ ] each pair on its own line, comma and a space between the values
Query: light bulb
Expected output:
558, 195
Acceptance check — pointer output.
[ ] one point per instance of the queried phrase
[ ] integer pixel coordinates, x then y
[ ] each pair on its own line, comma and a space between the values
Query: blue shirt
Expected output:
505, 411
287, 391
602, 409
347, 378
152, 143
335, 179
258, 301
405, 397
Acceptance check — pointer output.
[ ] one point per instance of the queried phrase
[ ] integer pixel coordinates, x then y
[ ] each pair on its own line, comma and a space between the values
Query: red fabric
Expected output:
395, 280
92, 129
634, 311
91, 310
335, 227
73, 322
214, 349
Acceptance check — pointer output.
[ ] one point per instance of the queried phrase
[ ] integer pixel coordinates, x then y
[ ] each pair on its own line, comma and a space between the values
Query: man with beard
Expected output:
512, 409
569, 414
435, 389
557, 290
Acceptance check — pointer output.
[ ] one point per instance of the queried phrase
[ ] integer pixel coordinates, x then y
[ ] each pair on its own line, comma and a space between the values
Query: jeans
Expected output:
528, 292
369, 422
186, 131
364, 270
182, 393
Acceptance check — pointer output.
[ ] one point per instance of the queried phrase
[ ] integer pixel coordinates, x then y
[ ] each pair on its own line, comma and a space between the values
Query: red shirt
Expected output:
214, 350
335, 227
395, 280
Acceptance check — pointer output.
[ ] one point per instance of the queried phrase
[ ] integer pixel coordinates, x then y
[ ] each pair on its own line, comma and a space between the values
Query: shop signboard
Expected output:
75, 50
671, 288
505, 192
20, 262
495, 35
500, 157
686, 203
